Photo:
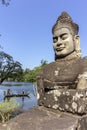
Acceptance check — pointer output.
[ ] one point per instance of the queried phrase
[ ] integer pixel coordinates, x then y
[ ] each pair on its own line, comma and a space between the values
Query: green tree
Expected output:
26, 74
31, 75
8, 67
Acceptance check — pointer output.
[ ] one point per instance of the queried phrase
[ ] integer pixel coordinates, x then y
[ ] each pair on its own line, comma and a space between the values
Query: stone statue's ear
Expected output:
77, 45
77, 42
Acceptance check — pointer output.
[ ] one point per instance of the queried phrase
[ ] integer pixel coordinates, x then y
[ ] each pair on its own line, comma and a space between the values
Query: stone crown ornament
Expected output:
64, 20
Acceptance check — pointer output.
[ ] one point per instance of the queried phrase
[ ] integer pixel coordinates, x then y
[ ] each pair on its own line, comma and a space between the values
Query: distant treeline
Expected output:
28, 75
11, 70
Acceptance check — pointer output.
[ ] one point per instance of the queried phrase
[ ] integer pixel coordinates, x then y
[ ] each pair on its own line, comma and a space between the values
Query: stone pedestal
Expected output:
40, 118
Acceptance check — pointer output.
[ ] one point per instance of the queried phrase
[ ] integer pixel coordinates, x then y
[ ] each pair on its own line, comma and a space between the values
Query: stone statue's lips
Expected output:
60, 48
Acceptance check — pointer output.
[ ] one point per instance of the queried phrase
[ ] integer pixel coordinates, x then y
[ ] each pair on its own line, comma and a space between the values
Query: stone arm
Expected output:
82, 77
82, 81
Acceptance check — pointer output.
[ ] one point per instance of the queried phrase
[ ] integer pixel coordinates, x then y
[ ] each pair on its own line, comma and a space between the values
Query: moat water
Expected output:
18, 88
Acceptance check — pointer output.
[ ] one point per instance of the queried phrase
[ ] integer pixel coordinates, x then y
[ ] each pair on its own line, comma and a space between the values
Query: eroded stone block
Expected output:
70, 100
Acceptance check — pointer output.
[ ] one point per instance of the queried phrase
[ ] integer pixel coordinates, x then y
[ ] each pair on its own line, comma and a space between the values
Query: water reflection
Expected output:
18, 88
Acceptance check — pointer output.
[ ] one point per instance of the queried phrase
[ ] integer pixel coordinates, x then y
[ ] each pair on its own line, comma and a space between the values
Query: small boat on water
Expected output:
16, 95
9, 94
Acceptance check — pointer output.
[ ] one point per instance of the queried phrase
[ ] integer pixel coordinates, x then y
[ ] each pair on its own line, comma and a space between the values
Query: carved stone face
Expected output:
63, 42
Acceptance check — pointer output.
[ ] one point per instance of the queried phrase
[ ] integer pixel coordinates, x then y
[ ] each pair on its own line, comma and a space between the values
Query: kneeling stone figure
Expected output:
62, 84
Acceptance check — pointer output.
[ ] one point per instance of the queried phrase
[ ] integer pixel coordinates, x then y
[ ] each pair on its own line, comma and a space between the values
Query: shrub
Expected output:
7, 109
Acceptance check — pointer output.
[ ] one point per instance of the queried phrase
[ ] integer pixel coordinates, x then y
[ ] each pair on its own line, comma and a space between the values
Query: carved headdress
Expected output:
64, 20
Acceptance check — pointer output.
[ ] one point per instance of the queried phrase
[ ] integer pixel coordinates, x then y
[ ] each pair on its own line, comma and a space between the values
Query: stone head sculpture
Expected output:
65, 37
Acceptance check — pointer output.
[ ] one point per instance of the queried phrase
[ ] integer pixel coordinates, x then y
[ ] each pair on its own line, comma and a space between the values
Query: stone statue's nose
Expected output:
59, 42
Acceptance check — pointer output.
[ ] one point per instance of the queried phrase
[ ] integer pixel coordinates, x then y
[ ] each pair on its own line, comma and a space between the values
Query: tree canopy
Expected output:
8, 67
11, 70
31, 75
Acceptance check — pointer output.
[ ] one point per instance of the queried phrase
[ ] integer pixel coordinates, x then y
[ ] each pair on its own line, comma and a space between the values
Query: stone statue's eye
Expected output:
64, 36
55, 39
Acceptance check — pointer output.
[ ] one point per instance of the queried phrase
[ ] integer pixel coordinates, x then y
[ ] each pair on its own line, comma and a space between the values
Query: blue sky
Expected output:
25, 28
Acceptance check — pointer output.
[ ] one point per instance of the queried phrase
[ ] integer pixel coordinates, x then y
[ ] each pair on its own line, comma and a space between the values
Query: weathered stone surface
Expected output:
82, 123
40, 118
70, 100
57, 84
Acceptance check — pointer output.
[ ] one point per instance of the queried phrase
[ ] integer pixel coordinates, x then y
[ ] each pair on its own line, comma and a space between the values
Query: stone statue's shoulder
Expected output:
49, 65
84, 60
83, 64
47, 68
